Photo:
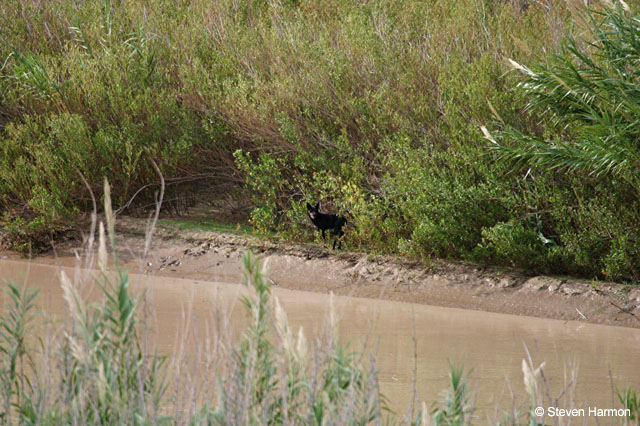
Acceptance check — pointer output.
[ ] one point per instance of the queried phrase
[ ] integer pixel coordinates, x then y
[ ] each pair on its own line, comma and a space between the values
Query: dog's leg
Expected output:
324, 238
337, 233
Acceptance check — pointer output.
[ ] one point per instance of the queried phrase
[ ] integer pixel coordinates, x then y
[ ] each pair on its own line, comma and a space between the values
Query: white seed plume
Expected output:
108, 211
301, 346
75, 306
282, 326
517, 66
78, 352
487, 135
531, 377
102, 249
70, 296
426, 420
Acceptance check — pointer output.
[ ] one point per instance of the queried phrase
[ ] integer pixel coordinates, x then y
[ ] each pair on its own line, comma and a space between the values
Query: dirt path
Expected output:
216, 256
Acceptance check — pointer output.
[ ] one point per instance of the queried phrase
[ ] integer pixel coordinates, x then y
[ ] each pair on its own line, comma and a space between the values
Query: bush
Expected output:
590, 94
94, 102
513, 244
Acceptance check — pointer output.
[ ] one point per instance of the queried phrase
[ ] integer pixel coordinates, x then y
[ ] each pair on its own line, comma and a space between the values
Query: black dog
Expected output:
324, 221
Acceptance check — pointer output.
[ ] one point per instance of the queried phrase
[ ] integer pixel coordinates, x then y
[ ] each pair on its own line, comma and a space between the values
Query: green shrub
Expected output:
596, 225
96, 102
512, 244
445, 200
265, 184
589, 93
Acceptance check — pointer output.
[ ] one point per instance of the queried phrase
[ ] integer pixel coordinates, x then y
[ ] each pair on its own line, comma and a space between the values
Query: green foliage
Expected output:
16, 360
630, 400
456, 409
277, 384
97, 104
264, 183
376, 118
513, 244
371, 109
104, 376
445, 200
591, 89
106, 372
589, 93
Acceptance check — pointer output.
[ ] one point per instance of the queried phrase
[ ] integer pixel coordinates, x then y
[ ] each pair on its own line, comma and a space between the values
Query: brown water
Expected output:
493, 344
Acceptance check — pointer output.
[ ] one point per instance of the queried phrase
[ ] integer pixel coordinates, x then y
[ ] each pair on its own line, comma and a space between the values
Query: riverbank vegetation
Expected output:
373, 108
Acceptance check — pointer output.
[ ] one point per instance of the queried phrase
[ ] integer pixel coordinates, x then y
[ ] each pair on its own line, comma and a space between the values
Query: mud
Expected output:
203, 255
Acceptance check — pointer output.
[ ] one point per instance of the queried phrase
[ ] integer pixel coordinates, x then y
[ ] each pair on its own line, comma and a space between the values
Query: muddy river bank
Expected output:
213, 256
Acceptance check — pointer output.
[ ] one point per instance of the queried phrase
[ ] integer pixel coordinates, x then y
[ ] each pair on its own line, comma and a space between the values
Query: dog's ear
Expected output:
309, 206
318, 205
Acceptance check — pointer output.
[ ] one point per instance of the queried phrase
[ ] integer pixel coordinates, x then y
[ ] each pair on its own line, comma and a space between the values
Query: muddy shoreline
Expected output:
215, 256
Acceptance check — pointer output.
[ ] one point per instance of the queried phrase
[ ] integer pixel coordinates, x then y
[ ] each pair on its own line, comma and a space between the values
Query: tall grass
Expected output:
15, 326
